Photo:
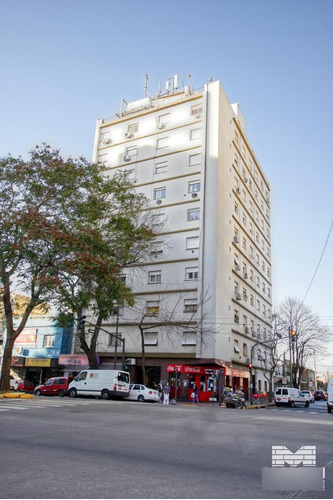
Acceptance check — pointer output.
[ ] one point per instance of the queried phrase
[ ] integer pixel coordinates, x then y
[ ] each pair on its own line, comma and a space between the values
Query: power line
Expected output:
321, 257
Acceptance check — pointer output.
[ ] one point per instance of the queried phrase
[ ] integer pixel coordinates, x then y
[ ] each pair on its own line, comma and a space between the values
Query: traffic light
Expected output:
82, 322
293, 335
250, 367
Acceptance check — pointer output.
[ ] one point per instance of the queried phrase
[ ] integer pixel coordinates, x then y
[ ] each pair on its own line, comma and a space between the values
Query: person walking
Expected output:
196, 395
166, 394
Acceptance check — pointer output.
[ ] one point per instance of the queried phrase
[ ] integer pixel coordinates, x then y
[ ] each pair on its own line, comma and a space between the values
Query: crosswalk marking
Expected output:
34, 404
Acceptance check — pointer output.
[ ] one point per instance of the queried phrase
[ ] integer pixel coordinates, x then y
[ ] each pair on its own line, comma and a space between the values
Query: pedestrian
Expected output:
166, 394
195, 398
160, 392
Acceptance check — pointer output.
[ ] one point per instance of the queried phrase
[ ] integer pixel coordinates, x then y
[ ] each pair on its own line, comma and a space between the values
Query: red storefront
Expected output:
186, 376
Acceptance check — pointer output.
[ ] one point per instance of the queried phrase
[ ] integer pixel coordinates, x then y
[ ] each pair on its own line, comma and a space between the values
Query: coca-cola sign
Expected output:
193, 369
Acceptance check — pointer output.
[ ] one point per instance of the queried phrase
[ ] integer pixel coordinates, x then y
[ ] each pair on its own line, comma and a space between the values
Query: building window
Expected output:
152, 307
244, 349
162, 143
190, 305
113, 341
194, 160
252, 300
162, 120
189, 338
154, 277
150, 338
236, 347
161, 167
133, 128
191, 273
236, 316
131, 152
48, 340
194, 186
159, 193
130, 175
193, 214
118, 311
195, 134
192, 242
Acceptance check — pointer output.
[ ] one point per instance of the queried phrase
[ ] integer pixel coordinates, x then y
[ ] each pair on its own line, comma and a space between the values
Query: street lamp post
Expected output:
251, 361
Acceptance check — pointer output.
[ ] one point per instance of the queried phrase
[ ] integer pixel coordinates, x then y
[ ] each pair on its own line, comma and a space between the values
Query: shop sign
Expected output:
37, 362
195, 369
73, 360
43, 352
26, 339
17, 361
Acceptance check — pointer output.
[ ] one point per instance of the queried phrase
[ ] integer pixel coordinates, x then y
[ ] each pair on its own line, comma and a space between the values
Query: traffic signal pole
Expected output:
82, 320
251, 361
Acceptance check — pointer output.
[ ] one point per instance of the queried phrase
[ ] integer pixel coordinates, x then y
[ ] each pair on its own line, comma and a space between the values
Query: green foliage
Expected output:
67, 231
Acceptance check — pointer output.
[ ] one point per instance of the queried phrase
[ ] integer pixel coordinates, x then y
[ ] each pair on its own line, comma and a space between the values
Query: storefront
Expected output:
237, 379
72, 364
186, 376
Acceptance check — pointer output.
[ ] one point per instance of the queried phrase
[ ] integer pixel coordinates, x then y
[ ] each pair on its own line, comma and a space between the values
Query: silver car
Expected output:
309, 395
141, 393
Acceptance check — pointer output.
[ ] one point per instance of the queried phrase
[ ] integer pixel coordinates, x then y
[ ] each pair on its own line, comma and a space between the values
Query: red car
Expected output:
26, 386
56, 386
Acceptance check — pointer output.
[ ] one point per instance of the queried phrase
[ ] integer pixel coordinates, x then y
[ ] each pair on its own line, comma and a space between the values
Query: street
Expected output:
87, 448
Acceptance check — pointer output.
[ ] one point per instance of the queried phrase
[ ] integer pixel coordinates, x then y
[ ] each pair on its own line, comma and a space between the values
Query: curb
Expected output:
11, 395
255, 407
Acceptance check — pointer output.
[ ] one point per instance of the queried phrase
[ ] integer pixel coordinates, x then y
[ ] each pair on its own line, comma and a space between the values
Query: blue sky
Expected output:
66, 63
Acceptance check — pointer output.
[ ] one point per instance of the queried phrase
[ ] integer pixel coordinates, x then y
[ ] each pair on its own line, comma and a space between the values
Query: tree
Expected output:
56, 232
309, 336
168, 317
119, 233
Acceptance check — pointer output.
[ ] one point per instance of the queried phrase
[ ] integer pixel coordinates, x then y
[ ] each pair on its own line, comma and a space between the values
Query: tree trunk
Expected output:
6, 364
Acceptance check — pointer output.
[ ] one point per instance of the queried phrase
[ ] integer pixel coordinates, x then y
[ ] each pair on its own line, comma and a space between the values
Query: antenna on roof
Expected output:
145, 94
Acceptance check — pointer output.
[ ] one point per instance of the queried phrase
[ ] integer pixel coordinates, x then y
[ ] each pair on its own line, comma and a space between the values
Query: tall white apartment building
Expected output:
188, 152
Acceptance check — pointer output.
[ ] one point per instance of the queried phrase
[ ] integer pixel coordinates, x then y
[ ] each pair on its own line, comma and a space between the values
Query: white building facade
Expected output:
208, 277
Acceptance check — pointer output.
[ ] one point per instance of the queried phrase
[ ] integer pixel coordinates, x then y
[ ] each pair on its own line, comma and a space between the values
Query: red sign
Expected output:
26, 339
73, 359
195, 369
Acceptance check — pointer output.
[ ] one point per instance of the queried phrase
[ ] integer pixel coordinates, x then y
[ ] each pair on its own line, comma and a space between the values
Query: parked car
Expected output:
309, 395
141, 393
330, 395
55, 386
319, 396
290, 396
14, 383
26, 386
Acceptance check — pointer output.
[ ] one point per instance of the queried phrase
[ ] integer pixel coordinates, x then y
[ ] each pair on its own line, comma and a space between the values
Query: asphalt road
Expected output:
87, 448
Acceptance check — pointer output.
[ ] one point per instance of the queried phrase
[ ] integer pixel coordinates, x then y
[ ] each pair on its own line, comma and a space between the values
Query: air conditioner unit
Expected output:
194, 195
158, 202
126, 158
131, 361
238, 296
236, 239
160, 126
106, 140
128, 135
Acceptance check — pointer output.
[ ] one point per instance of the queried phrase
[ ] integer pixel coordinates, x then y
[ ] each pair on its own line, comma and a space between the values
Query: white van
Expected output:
103, 383
330, 395
290, 396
